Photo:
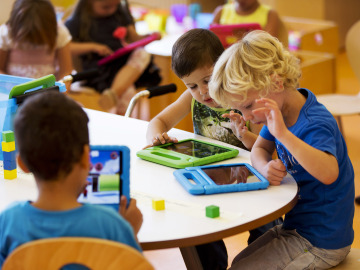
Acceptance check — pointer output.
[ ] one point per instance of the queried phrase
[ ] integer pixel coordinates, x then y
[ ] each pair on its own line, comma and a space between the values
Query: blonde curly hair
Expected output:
253, 63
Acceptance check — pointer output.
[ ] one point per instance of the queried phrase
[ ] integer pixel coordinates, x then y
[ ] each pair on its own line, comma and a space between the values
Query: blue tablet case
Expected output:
109, 175
197, 182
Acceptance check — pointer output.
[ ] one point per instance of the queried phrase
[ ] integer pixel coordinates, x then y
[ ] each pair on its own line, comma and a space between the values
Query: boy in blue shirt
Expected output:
259, 77
52, 138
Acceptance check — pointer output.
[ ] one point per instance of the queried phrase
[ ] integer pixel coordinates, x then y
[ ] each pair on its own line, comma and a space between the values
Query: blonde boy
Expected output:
259, 77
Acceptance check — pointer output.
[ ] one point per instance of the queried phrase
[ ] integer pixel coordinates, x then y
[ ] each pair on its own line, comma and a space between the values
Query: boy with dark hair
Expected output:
197, 48
53, 142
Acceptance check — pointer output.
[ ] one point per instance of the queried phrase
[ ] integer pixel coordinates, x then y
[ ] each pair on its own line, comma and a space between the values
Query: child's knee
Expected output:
139, 59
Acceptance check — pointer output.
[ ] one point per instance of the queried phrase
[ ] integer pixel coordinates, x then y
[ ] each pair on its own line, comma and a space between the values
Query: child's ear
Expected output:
278, 82
85, 158
21, 164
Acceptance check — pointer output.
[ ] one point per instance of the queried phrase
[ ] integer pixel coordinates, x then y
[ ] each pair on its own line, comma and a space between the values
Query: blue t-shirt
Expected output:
21, 223
324, 213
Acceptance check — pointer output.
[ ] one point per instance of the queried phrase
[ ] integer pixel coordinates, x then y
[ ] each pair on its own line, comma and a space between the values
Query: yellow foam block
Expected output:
10, 175
158, 205
8, 146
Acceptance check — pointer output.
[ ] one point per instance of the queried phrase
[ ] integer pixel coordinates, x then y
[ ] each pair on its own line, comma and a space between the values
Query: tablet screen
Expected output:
231, 175
104, 178
196, 149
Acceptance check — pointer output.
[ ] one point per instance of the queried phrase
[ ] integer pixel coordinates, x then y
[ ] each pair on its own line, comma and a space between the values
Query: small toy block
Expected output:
158, 205
9, 175
8, 146
9, 165
9, 156
8, 136
212, 211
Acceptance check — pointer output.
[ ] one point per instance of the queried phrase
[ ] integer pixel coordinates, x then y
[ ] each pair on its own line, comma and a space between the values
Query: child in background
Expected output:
193, 57
248, 11
259, 77
52, 138
92, 26
32, 43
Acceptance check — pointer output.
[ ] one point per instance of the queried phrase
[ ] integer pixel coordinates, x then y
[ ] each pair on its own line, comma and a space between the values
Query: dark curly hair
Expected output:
51, 132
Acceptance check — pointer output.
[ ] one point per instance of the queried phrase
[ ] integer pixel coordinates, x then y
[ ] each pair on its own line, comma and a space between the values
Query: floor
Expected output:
347, 83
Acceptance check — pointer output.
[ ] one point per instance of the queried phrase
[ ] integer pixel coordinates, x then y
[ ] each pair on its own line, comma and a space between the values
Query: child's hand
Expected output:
274, 172
101, 49
238, 124
274, 118
132, 214
161, 139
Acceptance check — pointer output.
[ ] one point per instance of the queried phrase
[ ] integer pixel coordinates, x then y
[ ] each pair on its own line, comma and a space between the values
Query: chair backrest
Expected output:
94, 253
352, 45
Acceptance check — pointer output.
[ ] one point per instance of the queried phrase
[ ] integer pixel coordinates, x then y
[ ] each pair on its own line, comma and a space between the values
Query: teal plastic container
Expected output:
10, 87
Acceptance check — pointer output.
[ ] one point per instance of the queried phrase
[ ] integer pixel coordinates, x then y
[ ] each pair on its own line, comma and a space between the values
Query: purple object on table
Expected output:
179, 11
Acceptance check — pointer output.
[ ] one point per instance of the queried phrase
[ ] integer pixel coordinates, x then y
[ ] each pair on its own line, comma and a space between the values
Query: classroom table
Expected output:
183, 223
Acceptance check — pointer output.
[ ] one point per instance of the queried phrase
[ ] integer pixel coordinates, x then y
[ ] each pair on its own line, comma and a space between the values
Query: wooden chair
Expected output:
94, 253
89, 98
341, 105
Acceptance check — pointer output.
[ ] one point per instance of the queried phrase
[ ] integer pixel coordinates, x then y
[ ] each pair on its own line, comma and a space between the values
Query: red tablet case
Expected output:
129, 48
229, 34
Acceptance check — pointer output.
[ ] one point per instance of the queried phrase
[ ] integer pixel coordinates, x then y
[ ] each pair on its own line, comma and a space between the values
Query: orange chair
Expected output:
94, 253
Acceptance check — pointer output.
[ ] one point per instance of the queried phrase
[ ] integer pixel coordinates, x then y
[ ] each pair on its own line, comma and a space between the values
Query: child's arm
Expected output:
273, 23
3, 60
238, 126
321, 165
65, 61
132, 35
79, 48
261, 158
217, 15
167, 119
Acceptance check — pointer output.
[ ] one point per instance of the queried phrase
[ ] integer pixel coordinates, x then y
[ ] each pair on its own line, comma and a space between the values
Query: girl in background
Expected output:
92, 26
248, 11
32, 43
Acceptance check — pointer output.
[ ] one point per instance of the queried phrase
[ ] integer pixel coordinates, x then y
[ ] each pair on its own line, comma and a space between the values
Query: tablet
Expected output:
129, 48
187, 153
231, 33
220, 179
108, 177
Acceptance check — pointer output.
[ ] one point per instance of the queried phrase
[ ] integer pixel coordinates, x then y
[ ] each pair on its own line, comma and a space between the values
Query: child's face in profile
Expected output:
246, 107
197, 82
104, 8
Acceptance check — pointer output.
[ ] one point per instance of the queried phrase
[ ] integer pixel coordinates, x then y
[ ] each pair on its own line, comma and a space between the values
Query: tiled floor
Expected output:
347, 84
